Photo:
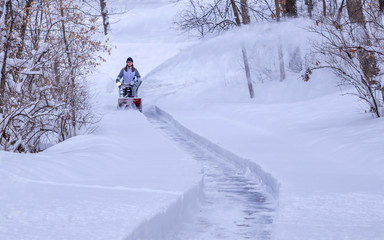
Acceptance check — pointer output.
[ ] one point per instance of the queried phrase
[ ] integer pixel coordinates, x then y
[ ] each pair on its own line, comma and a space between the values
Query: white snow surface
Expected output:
129, 178
93, 187
103, 185
325, 152
100, 186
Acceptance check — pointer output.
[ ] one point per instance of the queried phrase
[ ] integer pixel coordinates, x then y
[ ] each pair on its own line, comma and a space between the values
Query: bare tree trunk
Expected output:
290, 8
236, 13
339, 12
104, 14
355, 12
9, 21
382, 93
1, 8
26, 15
246, 20
248, 72
281, 61
3, 76
280, 48
23, 29
324, 9
310, 7
244, 12
73, 87
367, 61
381, 5
56, 70
277, 6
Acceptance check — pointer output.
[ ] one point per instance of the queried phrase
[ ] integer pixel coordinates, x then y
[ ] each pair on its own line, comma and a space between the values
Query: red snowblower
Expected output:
128, 96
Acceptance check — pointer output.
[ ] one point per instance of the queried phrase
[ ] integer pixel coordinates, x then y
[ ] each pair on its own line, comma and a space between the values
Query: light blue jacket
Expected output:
128, 76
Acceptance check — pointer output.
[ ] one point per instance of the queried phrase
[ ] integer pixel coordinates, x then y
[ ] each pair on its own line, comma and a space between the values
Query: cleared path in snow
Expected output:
235, 203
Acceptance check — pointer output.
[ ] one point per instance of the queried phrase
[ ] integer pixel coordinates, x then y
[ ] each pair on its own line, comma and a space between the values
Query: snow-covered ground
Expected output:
90, 187
328, 161
104, 185
100, 186
307, 161
322, 149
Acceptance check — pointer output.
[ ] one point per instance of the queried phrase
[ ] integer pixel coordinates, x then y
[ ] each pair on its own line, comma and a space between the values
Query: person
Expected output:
130, 77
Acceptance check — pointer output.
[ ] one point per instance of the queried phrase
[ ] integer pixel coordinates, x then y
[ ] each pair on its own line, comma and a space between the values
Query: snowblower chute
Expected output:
128, 96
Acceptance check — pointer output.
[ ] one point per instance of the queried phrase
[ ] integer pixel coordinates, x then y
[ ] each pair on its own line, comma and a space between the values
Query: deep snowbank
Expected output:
165, 222
100, 186
323, 150
270, 183
177, 222
214, 67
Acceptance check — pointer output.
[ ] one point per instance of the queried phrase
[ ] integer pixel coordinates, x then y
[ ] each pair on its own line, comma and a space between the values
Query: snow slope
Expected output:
100, 186
103, 185
130, 181
326, 154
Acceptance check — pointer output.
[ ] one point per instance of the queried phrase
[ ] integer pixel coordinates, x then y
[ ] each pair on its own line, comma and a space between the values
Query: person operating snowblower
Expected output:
129, 81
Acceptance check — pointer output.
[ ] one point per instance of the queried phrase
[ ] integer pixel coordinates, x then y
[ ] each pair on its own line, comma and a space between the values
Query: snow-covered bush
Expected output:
48, 47
351, 44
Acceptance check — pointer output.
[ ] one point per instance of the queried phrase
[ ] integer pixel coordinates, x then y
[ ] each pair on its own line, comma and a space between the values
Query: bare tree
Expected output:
23, 28
1, 8
48, 50
290, 8
8, 31
324, 8
309, 4
104, 14
235, 13
244, 12
277, 14
339, 14
366, 59
355, 12
352, 47
218, 16
246, 20
381, 5
280, 47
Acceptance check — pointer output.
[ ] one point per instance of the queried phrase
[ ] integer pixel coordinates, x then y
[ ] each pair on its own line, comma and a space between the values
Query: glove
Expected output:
118, 84
132, 83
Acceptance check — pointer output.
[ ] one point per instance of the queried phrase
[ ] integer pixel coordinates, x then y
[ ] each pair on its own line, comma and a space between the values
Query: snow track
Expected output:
237, 200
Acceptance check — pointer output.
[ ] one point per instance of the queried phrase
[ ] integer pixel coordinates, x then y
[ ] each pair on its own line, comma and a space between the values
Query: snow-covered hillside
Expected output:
299, 161
320, 146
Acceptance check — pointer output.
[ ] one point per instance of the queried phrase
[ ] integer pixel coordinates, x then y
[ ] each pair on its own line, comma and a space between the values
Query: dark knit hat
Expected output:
129, 59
